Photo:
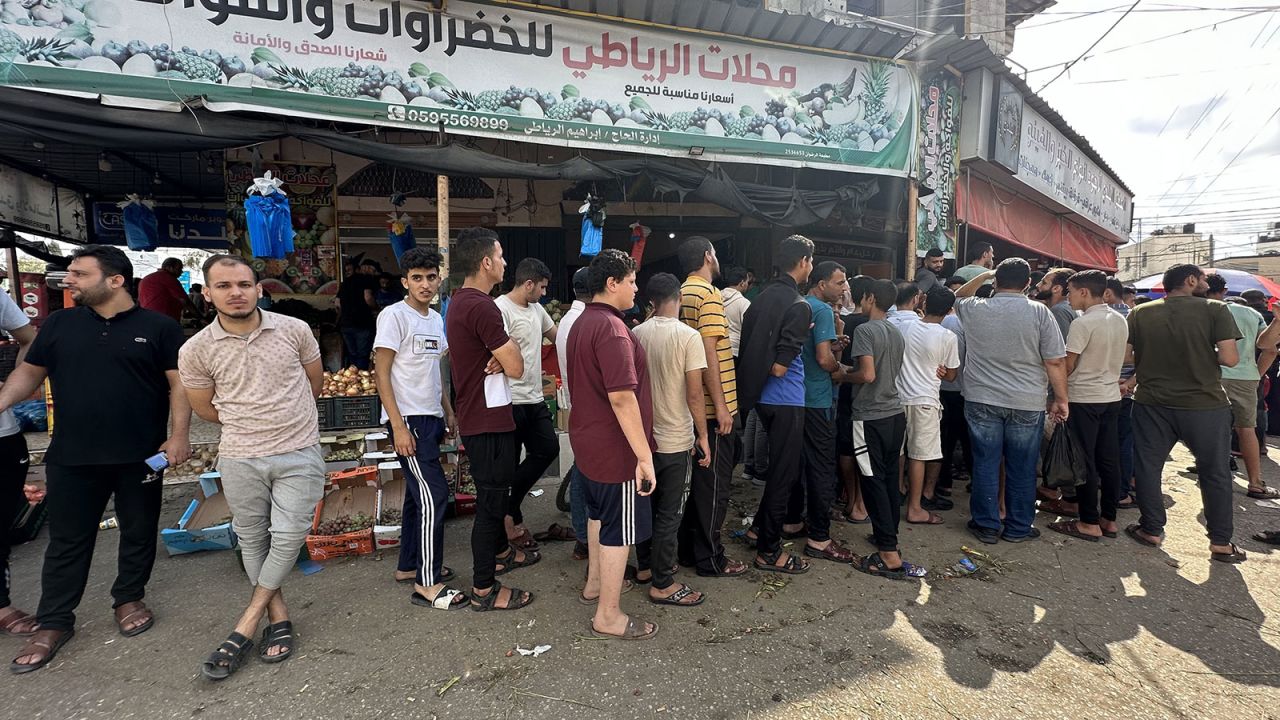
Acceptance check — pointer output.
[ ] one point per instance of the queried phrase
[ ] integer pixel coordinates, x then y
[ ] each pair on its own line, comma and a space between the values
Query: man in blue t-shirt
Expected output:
827, 283
771, 371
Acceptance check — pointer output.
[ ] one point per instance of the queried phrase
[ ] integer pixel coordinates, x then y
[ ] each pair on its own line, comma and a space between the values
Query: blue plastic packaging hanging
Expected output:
268, 218
400, 233
141, 230
592, 237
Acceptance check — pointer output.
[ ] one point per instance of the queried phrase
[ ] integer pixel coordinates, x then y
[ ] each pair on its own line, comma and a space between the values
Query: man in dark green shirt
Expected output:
1177, 345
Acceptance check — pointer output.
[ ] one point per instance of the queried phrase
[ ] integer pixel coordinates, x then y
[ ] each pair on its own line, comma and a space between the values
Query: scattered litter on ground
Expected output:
536, 493
1268, 504
746, 521
771, 586
309, 567
986, 562
536, 651
109, 524
528, 624
963, 568
445, 688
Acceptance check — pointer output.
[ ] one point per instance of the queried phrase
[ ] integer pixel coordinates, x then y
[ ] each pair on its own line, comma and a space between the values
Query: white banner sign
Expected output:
37, 206
477, 69
1053, 165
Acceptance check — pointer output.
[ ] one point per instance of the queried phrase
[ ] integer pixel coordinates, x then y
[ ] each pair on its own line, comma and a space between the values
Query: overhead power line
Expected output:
1101, 37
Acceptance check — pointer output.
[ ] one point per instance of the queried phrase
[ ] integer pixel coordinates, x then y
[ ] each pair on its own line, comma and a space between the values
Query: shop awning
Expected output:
1019, 221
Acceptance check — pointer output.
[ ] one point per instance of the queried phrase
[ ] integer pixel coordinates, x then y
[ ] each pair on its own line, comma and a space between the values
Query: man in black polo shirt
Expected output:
114, 371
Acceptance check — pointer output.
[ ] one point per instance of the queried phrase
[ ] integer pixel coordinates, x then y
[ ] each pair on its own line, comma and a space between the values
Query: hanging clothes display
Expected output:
593, 215
639, 237
141, 230
268, 218
400, 233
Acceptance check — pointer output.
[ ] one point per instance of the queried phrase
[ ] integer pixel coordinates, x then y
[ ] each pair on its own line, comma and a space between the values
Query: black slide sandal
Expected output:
278, 635
228, 658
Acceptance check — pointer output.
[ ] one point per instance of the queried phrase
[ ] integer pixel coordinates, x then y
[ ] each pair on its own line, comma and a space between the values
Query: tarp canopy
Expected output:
27, 117
1238, 281
1021, 222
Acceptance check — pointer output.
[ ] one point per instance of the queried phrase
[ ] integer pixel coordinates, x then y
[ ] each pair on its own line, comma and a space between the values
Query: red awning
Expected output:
1019, 221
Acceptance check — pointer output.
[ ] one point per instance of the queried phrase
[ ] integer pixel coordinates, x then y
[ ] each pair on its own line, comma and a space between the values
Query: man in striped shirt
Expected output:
702, 308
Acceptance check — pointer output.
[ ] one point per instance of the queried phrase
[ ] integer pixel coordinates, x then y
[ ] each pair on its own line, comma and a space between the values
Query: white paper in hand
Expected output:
497, 391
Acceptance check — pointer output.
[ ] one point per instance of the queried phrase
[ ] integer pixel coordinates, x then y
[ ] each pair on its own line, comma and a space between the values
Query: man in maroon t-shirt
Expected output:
482, 358
611, 432
161, 291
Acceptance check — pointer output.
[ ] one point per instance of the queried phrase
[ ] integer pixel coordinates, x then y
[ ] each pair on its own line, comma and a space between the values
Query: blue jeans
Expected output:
359, 346
1126, 447
1012, 436
578, 504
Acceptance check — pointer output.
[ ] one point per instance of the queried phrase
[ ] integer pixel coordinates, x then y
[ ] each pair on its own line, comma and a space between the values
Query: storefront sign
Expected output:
939, 163
1007, 126
311, 189
201, 228
482, 69
1051, 164
37, 206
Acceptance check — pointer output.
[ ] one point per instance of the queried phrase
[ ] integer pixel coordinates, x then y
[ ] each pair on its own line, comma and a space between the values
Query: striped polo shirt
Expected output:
702, 309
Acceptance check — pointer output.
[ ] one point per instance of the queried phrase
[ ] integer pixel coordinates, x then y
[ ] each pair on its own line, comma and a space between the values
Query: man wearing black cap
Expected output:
577, 506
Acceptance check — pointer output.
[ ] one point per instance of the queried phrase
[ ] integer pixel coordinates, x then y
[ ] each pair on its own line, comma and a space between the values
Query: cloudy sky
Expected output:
1181, 100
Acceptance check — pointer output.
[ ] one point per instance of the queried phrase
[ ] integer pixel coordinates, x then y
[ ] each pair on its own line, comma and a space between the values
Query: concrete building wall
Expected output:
1156, 253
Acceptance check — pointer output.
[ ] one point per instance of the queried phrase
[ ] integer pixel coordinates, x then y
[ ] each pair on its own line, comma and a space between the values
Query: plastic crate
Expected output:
348, 413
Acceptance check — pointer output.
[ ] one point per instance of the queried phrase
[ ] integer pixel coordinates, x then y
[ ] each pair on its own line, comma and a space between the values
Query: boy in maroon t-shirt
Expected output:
611, 432
481, 355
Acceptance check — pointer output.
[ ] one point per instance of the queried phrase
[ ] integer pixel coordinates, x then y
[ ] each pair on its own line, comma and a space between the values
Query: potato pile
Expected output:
348, 383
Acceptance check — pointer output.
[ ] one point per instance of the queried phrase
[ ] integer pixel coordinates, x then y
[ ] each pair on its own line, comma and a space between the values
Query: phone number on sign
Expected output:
436, 117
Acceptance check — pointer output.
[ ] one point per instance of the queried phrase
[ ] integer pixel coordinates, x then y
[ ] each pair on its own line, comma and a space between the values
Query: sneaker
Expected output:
1033, 535
990, 537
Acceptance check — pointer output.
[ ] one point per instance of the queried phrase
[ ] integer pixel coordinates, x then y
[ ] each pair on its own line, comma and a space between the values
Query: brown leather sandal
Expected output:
135, 610
14, 618
44, 645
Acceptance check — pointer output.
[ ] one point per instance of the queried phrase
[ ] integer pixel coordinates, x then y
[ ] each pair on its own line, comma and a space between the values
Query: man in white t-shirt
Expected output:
577, 501
932, 355
13, 471
676, 359
408, 346
528, 323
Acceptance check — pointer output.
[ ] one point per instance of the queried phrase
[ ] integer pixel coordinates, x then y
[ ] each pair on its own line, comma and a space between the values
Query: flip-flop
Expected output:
1133, 532
446, 599
1072, 528
934, 519
1266, 493
846, 517
676, 597
1235, 557
556, 533
1270, 537
634, 631
51, 649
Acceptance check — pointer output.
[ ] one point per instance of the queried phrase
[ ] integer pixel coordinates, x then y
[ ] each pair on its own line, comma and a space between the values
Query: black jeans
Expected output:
13, 472
954, 430
1207, 433
817, 491
78, 496
493, 458
1096, 427
707, 504
883, 440
785, 426
358, 343
537, 433
658, 553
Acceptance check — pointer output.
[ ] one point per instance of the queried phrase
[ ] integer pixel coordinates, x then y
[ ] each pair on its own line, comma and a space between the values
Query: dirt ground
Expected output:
1059, 628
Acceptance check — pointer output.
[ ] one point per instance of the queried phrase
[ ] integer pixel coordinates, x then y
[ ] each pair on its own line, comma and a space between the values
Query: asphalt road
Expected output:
1059, 628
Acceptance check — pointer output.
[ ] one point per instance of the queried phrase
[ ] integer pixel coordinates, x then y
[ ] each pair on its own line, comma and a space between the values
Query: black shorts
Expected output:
625, 516
844, 433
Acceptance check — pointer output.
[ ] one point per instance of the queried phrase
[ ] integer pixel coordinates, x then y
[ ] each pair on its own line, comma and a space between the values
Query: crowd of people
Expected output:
844, 398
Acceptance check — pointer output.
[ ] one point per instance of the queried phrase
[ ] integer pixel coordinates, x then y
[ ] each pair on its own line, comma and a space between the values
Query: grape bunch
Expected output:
775, 108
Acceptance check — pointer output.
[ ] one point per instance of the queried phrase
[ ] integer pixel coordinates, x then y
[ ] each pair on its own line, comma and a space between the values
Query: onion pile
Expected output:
348, 383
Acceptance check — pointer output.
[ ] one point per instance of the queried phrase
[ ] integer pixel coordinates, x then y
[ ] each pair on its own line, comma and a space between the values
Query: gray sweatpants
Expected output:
1207, 433
273, 501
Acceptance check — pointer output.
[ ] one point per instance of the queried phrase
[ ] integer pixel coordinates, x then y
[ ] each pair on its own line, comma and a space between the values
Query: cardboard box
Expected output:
378, 442
377, 458
348, 493
206, 524
548, 385
342, 451
390, 497
562, 420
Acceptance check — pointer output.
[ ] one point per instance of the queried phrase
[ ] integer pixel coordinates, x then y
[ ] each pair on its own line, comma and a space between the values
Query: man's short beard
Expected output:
238, 316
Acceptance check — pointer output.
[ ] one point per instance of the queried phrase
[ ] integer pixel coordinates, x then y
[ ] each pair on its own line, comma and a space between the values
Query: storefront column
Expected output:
913, 199
442, 224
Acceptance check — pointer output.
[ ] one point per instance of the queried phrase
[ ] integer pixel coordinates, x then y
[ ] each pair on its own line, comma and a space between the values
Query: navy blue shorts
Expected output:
625, 516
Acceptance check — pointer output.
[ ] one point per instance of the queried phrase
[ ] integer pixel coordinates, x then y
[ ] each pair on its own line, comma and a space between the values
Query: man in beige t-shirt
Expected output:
676, 361
1095, 351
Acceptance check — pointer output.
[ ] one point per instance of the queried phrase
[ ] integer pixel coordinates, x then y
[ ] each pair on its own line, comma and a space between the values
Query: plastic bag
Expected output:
1063, 465
31, 416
